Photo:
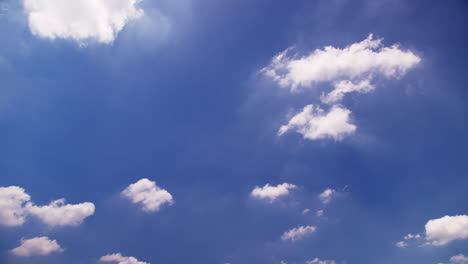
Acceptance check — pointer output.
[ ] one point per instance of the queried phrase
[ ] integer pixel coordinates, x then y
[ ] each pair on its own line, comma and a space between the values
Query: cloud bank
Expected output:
148, 194
80, 20
36, 246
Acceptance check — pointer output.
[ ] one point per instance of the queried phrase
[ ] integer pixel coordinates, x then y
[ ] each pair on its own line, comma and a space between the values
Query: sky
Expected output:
233, 132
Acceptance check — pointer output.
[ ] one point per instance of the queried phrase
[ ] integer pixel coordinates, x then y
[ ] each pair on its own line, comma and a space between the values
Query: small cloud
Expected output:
459, 259
118, 258
148, 194
271, 193
305, 211
298, 233
314, 123
406, 239
319, 261
327, 195
319, 213
38, 246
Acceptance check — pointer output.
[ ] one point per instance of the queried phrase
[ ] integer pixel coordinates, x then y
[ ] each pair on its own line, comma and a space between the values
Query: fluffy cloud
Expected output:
327, 195
314, 123
298, 233
80, 19
272, 192
15, 206
148, 194
36, 246
117, 257
319, 261
344, 87
12, 201
355, 62
444, 230
459, 259
57, 213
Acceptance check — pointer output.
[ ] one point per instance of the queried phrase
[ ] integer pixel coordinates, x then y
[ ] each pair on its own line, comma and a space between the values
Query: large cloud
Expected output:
148, 194
357, 61
298, 233
444, 230
117, 257
80, 19
36, 246
15, 206
314, 123
271, 193
12, 201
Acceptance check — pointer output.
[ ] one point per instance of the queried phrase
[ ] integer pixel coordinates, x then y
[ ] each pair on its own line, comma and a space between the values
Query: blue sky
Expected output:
93, 101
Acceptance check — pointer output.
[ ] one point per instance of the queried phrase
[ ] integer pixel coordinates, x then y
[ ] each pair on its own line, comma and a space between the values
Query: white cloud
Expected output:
459, 259
57, 213
305, 211
444, 230
16, 205
117, 257
344, 87
355, 62
319, 213
272, 192
319, 261
80, 20
148, 194
401, 244
313, 123
298, 233
327, 195
36, 246
12, 200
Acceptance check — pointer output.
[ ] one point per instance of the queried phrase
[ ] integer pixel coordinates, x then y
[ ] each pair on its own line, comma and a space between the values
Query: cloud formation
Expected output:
80, 20
314, 123
354, 62
36, 246
57, 213
327, 195
298, 233
16, 205
319, 261
148, 194
117, 257
444, 230
459, 259
271, 193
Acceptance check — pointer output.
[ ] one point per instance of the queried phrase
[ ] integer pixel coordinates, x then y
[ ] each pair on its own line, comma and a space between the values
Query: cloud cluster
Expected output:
407, 239
118, 258
298, 233
350, 69
148, 194
36, 246
80, 20
271, 193
15, 206
314, 123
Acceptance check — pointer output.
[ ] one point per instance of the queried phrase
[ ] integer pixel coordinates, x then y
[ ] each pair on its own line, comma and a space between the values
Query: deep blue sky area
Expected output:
185, 105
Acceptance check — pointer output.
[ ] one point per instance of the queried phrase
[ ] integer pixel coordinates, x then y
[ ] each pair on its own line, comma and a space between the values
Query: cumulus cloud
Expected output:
327, 195
58, 213
314, 123
16, 205
12, 200
117, 257
298, 233
271, 193
459, 259
36, 246
148, 194
444, 230
80, 20
354, 62
319, 261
